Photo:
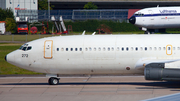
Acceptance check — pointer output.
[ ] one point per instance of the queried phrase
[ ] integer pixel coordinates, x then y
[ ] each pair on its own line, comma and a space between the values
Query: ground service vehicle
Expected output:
22, 26
2, 27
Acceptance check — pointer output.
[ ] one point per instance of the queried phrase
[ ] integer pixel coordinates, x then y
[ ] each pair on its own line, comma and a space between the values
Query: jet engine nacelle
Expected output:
156, 71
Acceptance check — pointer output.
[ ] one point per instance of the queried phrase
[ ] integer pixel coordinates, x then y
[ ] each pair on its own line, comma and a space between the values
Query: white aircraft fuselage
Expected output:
98, 54
157, 18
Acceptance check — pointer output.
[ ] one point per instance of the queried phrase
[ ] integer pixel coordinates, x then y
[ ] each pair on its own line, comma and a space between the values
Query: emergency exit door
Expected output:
48, 47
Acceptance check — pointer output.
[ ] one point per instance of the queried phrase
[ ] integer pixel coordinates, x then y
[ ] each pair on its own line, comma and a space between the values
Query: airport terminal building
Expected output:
19, 5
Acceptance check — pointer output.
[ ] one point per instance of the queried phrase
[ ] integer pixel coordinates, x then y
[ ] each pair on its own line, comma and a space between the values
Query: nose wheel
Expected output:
53, 81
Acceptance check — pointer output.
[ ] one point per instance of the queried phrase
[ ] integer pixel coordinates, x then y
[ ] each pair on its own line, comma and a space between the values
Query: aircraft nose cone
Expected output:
132, 19
10, 58
5, 58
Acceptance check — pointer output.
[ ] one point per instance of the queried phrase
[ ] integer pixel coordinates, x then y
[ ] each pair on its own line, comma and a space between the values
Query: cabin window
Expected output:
94, 48
122, 48
164, 48
62, 49
155, 48
141, 49
127, 48
71, 49
90, 49
145, 48
80, 49
136, 48
169, 48
159, 48
76, 49
112, 48
99, 48
66, 49
108, 48
86, 49
117, 48
131, 48
150, 48
104, 49
57, 49
178, 48
174, 48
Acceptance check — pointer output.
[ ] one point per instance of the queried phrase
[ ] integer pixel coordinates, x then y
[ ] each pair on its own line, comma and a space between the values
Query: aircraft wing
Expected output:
168, 62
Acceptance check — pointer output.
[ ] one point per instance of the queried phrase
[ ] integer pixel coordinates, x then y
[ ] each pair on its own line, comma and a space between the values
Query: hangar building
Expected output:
19, 5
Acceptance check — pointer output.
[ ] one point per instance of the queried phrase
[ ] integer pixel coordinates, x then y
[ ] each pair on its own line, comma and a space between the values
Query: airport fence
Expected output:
40, 15
21, 38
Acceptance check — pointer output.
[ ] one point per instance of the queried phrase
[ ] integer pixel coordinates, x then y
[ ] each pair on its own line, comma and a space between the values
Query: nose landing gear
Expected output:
53, 81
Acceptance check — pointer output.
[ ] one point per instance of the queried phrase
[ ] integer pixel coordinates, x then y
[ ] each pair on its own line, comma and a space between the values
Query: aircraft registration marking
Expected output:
25, 55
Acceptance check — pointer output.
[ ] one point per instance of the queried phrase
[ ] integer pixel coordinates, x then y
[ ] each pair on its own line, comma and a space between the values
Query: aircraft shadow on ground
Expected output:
148, 85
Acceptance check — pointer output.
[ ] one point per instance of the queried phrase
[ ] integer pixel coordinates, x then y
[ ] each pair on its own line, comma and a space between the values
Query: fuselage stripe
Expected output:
148, 15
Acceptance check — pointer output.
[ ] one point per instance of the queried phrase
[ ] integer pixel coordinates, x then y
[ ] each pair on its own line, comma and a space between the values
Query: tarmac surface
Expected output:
95, 88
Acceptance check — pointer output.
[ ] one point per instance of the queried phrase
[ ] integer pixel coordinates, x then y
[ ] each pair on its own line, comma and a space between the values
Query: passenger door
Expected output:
48, 47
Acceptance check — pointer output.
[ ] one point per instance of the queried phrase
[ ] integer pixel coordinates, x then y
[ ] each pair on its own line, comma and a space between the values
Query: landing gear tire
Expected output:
53, 81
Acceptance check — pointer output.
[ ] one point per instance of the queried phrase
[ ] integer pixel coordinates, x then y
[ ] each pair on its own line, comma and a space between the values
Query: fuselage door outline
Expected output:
48, 46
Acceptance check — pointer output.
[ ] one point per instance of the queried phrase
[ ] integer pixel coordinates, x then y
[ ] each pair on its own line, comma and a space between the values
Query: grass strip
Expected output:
5, 67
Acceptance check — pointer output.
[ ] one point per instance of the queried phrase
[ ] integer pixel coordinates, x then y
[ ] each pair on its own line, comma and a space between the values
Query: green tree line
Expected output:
8, 16
6, 13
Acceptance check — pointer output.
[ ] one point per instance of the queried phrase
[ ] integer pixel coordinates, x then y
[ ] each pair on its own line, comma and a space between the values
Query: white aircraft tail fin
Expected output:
83, 32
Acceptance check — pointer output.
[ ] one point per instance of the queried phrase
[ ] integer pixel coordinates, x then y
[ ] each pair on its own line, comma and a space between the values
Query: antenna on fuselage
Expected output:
157, 6
94, 33
83, 32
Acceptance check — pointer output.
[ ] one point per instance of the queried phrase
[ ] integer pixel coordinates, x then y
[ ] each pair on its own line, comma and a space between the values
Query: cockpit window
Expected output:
139, 14
136, 14
29, 48
25, 47
21, 47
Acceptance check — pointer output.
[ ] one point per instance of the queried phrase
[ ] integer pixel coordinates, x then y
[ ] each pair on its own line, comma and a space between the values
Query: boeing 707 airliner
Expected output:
157, 57
156, 18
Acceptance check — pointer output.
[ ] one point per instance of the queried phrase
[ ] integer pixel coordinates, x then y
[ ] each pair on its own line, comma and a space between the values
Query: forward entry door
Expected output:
48, 47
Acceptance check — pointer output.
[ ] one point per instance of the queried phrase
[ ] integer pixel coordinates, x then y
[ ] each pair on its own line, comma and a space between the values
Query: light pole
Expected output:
48, 10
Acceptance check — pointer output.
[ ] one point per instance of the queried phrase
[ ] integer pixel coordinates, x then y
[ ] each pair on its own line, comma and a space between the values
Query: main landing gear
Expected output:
53, 81
148, 32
